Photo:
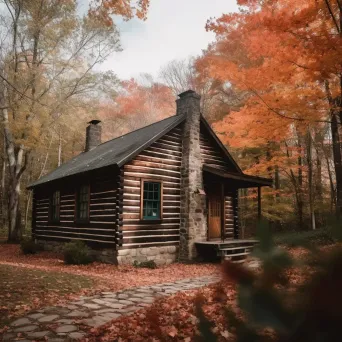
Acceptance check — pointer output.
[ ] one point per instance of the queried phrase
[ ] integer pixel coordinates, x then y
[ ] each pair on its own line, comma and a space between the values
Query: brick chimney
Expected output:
193, 223
93, 135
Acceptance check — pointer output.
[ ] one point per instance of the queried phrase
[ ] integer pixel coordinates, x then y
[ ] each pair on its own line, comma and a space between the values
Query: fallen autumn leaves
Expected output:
38, 275
172, 318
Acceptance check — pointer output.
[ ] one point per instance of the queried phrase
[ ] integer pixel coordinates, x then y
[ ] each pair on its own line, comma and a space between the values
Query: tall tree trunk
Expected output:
299, 194
277, 183
17, 160
337, 153
3, 189
14, 215
319, 186
335, 113
331, 183
60, 147
310, 180
296, 182
28, 205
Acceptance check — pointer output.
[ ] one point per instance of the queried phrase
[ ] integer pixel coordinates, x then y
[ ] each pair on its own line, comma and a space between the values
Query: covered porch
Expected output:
223, 233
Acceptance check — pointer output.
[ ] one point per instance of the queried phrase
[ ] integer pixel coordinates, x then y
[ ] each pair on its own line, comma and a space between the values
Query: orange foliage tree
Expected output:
135, 106
127, 9
286, 56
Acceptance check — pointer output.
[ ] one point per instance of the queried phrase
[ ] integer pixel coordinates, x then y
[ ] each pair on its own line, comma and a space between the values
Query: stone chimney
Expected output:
93, 135
193, 216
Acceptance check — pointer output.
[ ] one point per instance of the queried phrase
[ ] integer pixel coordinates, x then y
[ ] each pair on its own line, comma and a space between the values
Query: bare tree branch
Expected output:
332, 15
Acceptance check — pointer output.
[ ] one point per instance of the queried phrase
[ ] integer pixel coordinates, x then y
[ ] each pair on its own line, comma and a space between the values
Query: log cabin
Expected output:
166, 192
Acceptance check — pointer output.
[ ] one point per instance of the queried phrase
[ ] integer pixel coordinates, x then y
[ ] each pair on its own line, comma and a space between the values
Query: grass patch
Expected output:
24, 289
319, 237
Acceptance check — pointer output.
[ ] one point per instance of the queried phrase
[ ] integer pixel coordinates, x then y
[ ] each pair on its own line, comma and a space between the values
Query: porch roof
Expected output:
241, 180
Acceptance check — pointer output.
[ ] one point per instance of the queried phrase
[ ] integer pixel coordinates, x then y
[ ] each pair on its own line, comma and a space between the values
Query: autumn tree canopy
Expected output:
285, 57
48, 82
105, 9
135, 105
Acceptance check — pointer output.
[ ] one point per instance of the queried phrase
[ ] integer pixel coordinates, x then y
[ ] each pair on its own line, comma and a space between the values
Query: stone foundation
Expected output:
106, 255
160, 255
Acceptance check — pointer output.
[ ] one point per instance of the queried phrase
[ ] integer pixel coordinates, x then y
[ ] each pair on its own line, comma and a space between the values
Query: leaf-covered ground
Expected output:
23, 289
45, 277
172, 318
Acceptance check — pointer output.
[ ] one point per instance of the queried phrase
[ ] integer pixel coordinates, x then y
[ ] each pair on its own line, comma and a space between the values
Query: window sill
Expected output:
54, 221
151, 221
82, 221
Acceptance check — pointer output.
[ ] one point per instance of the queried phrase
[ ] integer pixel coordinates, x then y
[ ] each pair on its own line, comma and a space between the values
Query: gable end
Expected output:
141, 148
213, 151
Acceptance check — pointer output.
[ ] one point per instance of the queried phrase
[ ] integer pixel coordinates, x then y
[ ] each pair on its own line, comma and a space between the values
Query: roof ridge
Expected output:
136, 130
179, 118
114, 151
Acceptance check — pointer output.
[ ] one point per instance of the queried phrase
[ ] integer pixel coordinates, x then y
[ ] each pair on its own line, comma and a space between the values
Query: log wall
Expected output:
161, 162
235, 197
213, 155
99, 230
114, 210
211, 152
229, 217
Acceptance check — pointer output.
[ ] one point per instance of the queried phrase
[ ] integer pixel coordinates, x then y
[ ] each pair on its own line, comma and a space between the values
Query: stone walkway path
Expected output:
62, 323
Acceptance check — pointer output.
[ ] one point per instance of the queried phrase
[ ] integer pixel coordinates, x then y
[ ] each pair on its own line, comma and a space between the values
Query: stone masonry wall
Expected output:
93, 136
160, 255
193, 218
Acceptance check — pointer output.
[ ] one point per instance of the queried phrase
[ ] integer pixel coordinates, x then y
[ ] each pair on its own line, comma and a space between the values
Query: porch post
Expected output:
259, 203
223, 218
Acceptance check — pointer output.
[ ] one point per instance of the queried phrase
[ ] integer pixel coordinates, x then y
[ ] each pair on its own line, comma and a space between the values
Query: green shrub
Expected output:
77, 253
28, 246
145, 264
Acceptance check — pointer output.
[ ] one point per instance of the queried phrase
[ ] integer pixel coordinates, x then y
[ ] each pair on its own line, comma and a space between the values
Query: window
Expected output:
55, 205
83, 203
152, 200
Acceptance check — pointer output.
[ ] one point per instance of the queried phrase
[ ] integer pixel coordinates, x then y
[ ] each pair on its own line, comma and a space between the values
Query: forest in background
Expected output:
271, 86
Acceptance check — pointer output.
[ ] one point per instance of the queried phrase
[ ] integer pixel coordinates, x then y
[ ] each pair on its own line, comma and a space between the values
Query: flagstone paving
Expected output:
63, 323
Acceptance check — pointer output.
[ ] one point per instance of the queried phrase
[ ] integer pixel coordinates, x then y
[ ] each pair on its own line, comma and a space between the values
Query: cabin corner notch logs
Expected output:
115, 199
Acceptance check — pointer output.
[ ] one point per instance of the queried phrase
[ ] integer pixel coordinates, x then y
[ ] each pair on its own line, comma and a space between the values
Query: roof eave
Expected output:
33, 185
253, 181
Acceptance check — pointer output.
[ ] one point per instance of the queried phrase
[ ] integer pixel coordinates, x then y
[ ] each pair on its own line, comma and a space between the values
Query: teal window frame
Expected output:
151, 200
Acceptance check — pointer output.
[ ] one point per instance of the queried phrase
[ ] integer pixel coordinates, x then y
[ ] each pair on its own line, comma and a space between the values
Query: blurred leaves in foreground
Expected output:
271, 308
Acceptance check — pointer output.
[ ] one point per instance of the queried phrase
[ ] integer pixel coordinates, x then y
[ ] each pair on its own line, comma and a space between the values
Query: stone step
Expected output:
234, 248
235, 254
236, 244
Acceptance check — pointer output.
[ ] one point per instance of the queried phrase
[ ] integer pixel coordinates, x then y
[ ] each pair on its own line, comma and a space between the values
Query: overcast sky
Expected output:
174, 29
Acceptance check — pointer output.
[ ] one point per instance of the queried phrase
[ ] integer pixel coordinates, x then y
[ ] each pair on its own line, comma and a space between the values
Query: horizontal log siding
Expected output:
235, 197
211, 152
228, 217
161, 161
101, 227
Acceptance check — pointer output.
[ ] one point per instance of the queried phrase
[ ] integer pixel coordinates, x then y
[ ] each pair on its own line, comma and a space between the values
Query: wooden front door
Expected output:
214, 216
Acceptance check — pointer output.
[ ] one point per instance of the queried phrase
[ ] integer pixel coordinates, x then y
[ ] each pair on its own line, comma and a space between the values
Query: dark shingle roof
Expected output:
114, 152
